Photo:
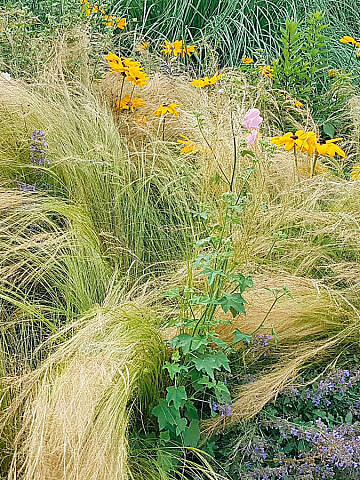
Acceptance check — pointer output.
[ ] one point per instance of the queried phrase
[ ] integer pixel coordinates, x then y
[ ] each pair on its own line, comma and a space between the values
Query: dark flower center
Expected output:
294, 137
321, 141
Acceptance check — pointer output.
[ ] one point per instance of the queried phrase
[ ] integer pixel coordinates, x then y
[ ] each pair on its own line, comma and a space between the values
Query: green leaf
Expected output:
244, 282
211, 361
181, 425
188, 343
176, 395
212, 274
174, 293
349, 418
242, 337
174, 368
192, 434
329, 130
165, 436
191, 411
202, 242
166, 415
233, 302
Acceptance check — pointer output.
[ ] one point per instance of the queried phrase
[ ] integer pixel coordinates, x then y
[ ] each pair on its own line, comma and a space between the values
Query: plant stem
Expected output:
296, 164
163, 129
235, 153
313, 166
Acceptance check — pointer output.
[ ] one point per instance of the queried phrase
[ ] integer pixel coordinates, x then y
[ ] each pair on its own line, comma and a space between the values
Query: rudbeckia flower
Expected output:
328, 147
143, 46
247, 60
298, 104
128, 103
115, 63
290, 140
121, 24
189, 146
164, 109
168, 48
355, 172
332, 72
267, 71
205, 82
351, 40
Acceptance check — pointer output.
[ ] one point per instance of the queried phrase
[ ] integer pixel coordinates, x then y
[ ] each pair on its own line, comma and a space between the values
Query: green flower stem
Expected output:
313, 166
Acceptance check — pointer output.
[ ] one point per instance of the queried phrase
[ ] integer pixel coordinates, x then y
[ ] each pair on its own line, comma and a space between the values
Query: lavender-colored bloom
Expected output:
38, 148
251, 138
252, 119
25, 187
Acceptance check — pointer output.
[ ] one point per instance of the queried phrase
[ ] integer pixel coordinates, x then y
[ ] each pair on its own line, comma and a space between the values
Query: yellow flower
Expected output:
358, 53
247, 60
290, 140
298, 104
198, 83
355, 173
267, 71
188, 147
141, 119
205, 82
168, 48
328, 147
115, 63
136, 76
121, 24
178, 48
143, 46
165, 108
308, 142
332, 72
128, 103
351, 40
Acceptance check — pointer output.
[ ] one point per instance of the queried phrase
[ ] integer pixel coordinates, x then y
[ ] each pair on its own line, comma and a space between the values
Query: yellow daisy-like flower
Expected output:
328, 147
168, 48
121, 24
290, 140
247, 60
198, 83
358, 53
128, 103
355, 172
205, 82
165, 108
137, 77
298, 104
308, 144
267, 70
143, 46
141, 119
350, 40
178, 48
189, 146
115, 63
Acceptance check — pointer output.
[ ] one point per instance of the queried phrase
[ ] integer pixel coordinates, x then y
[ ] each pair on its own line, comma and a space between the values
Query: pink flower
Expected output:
252, 137
252, 119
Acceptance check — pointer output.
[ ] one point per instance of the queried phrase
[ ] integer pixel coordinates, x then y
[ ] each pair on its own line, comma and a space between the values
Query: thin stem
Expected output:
313, 166
235, 152
122, 86
163, 129
268, 313
296, 173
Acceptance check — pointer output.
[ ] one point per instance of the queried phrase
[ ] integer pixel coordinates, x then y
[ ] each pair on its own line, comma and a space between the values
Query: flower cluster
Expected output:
26, 187
321, 394
131, 69
129, 103
178, 48
223, 410
247, 60
267, 70
206, 82
308, 142
38, 148
109, 20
